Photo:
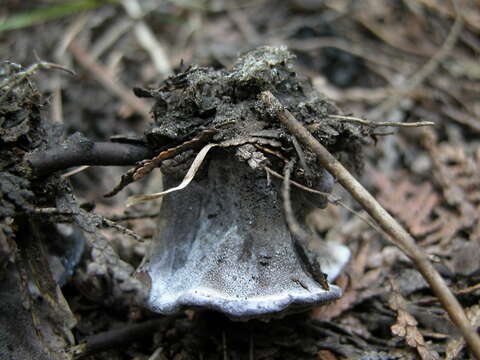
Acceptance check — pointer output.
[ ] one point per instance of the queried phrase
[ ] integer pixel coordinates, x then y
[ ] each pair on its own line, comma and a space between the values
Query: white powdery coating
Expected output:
215, 276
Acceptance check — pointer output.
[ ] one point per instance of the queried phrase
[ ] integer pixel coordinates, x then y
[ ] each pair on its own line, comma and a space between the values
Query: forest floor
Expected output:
378, 60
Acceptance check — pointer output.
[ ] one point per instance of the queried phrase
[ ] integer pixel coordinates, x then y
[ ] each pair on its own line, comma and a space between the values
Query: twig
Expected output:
84, 153
145, 167
357, 120
16, 79
147, 39
104, 221
128, 217
192, 171
442, 8
122, 229
57, 104
360, 216
301, 157
241, 21
468, 290
224, 346
102, 75
75, 171
350, 47
73, 29
462, 117
330, 198
149, 165
292, 222
194, 167
158, 354
465, 291
398, 234
299, 234
425, 71
110, 37
119, 337
50, 211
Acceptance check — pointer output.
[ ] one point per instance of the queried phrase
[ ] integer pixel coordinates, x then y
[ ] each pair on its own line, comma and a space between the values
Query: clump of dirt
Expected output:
24, 233
225, 102
20, 131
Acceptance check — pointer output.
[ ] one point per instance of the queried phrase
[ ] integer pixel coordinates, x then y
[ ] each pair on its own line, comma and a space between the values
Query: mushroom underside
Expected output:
223, 244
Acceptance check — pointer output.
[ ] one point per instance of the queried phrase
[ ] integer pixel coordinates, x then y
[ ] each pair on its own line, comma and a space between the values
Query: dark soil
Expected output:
65, 272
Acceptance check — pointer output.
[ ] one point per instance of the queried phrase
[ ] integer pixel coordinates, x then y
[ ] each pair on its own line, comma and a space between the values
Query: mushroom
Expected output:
223, 242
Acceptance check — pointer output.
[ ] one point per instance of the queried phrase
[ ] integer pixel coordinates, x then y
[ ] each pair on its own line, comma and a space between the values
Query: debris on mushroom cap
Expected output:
223, 242
225, 101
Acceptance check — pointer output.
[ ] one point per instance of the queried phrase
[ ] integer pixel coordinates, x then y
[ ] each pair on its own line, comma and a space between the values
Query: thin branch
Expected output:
75, 171
425, 71
49, 211
330, 198
347, 46
357, 120
241, 21
398, 234
31, 70
465, 291
16, 79
299, 234
105, 222
110, 36
301, 157
192, 171
366, 220
103, 76
119, 337
147, 39
128, 217
292, 222
145, 167
109, 223
86, 153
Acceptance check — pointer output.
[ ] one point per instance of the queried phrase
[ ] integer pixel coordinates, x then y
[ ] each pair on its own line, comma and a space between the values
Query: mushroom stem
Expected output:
223, 244
398, 234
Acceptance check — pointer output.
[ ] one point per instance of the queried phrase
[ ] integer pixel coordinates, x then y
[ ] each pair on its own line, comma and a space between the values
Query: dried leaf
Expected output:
108, 278
456, 173
411, 203
326, 355
398, 34
421, 208
406, 326
197, 162
144, 167
148, 165
456, 345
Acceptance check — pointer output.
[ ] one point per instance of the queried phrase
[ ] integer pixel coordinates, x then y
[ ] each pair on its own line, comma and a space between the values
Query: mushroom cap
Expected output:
223, 244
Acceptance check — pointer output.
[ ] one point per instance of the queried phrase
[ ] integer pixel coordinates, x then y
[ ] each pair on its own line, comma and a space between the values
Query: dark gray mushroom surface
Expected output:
223, 242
